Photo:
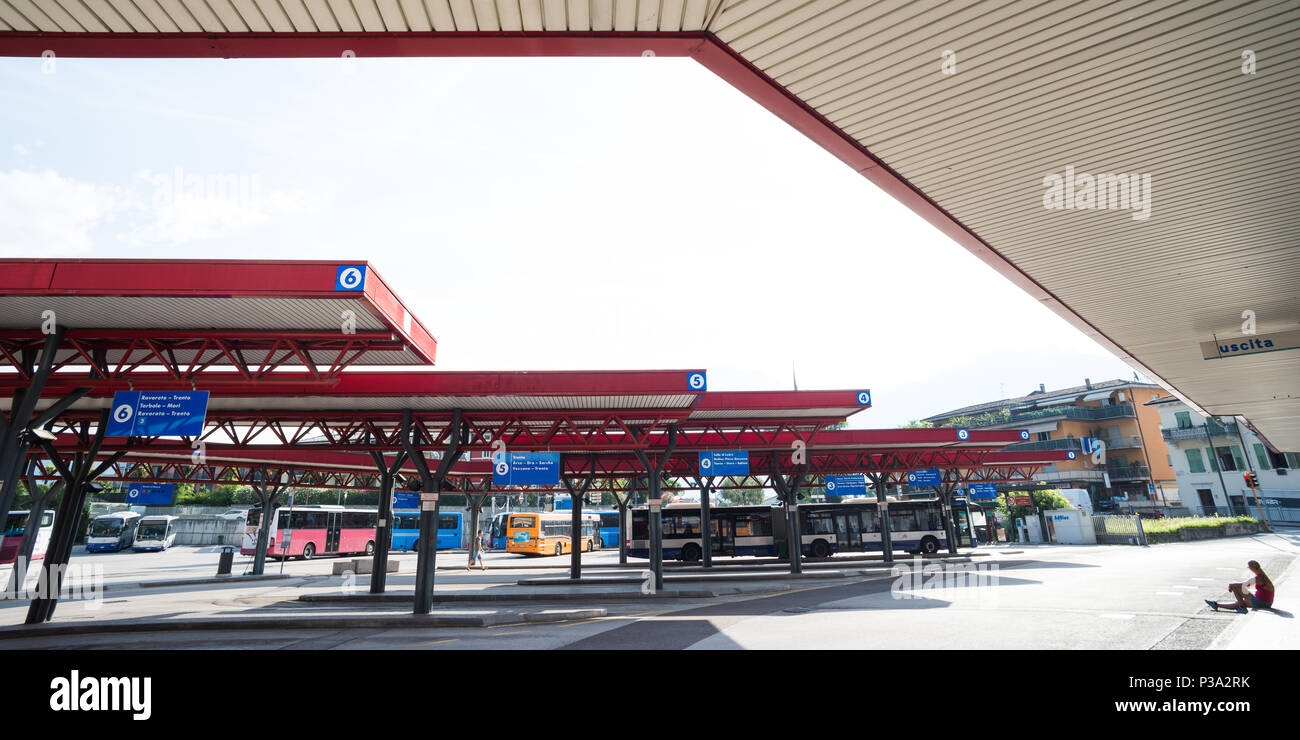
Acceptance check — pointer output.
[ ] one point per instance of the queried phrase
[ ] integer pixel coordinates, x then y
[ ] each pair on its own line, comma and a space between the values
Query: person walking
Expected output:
476, 551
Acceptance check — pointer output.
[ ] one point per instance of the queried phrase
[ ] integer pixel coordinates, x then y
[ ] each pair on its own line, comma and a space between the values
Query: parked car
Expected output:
240, 514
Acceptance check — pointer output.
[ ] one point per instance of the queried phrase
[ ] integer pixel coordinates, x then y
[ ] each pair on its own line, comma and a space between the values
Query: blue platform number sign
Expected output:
982, 490
1151, 488
157, 414
147, 494
697, 382
350, 277
864, 398
1024, 434
963, 434
924, 477
724, 462
1069, 454
526, 468
846, 485
406, 499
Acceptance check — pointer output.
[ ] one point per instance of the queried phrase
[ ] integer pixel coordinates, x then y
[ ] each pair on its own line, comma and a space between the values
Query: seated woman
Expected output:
1261, 599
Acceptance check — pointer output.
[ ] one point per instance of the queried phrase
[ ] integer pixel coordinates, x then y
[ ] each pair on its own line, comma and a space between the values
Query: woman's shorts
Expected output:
1255, 603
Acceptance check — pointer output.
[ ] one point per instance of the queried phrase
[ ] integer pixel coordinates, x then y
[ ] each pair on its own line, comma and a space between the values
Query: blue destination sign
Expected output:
151, 494
924, 477
846, 485
724, 462
526, 468
406, 499
982, 490
157, 414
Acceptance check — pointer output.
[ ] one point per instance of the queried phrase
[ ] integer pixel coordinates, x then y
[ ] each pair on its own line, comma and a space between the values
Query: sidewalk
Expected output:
1269, 630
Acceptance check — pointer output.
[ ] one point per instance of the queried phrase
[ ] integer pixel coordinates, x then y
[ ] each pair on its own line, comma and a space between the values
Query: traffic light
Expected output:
1252, 480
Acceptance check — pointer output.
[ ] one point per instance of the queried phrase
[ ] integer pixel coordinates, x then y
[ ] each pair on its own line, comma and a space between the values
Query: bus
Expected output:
735, 530
406, 530
825, 529
608, 528
112, 532
548, 533
915, 526
16, 527
155, 533
307, 531
497, 532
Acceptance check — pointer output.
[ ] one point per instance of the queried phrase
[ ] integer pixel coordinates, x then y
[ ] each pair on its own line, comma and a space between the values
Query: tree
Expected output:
915, 424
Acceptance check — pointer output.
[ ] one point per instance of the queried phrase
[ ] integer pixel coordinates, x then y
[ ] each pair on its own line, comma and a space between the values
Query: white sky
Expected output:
535, 214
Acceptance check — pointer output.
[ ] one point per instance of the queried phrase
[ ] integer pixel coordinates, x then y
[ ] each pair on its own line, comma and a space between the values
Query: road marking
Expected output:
1179, 585
1118, 616
1200, 579
499, 634
436, 642
1169, 593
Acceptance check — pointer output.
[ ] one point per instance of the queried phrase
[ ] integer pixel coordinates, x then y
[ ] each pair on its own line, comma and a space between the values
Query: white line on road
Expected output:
1118, 616
1201, 579
1169, 593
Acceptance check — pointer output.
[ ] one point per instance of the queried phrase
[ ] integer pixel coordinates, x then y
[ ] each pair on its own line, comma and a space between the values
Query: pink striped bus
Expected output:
15, 526
307, 531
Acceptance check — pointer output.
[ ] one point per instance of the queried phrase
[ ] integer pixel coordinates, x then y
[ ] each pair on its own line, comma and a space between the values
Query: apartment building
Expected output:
1136, 471
1210, 457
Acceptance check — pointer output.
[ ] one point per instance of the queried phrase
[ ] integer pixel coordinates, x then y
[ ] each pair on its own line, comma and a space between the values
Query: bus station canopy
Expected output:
171, 323
560, 411
963, 112
352, 470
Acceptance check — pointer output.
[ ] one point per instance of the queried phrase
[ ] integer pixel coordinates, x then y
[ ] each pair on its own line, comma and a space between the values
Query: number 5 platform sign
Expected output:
526, 468
157, 414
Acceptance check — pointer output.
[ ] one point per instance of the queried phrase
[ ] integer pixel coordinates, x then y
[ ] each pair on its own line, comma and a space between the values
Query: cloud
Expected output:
45, 214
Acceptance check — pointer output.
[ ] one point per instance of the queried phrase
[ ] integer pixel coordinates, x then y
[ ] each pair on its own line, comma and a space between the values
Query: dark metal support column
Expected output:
77, 482
384, 527
788, 492
576, 494
14, 435
654, 473
430, 483
622, 502
268, 493
882, 506
944, 492
705, 485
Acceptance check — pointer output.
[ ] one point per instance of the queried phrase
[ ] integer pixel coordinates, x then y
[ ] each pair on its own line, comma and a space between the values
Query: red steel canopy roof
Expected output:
171, 322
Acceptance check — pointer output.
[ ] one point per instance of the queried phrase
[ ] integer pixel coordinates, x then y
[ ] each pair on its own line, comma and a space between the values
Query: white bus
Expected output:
155, 533
112, 532
16, 526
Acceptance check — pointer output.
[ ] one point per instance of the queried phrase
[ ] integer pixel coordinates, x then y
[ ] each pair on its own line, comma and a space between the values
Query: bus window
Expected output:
447, 521
902, 521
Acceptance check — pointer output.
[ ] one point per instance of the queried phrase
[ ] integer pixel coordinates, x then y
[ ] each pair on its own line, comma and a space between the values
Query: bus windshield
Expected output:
151, 531
523, 522
105, 527
15, 525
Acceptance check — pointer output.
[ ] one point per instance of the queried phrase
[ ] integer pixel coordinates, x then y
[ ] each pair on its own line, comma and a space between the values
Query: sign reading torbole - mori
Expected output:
1251, 345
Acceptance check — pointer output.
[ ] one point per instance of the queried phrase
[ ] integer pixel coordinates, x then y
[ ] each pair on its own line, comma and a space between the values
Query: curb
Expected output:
702, 578
373, 621
588, 596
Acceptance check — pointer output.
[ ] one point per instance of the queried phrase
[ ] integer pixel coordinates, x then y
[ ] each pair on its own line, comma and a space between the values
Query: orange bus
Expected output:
548, 534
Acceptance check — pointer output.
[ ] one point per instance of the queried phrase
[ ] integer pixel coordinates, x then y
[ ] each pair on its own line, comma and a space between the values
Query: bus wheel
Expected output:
820, 549
370, 548
929, 545
559, 549
415, 546
691, 553
308, 551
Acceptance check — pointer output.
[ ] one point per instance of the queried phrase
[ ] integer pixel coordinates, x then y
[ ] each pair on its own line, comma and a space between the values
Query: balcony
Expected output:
1198, 432
1075, 412
1131, 472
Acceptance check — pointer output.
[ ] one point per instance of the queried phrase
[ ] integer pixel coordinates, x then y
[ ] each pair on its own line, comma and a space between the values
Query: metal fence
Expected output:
1118, 529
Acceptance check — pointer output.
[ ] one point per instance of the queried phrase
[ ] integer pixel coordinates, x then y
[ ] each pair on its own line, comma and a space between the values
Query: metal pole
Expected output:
622, 529
944, 492
13, 447
430, 483
706, 532
1214, 461
882, 508
383, 528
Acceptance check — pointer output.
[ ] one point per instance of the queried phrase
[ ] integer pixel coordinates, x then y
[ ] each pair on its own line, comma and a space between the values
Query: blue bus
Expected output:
608, 528
406, 530
497, 532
